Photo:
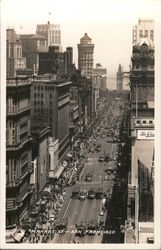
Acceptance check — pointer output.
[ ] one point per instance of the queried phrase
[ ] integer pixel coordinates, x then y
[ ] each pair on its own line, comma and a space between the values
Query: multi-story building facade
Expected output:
40, 152
119, 79
52, 32
32, 45
85, 56
50, 107
18, 151
99, 77
140, 189
73, 113
82, 94
56, 62
142, 78
15, 60
144, 28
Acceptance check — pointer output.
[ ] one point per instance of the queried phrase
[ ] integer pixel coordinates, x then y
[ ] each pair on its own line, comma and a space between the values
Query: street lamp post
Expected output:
136, 209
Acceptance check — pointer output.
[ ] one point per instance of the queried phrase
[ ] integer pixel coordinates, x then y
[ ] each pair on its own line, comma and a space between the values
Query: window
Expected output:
150, 122
140, 33
35, 87
50, 95
35, 103
146, 32
41, 103
38, 87
42, 88
35, 95
138, 122
144, 122
41, 95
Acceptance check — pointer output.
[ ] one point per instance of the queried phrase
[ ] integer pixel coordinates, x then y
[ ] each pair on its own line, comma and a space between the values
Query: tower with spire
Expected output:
119, 79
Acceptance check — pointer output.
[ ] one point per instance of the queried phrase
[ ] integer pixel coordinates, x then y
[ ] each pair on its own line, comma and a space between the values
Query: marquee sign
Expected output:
146, 135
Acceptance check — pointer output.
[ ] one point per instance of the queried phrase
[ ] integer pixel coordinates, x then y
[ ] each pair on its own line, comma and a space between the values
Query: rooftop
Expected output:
32, 36
85, 39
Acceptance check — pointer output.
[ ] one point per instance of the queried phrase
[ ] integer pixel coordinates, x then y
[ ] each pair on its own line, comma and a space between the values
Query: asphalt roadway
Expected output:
77, 211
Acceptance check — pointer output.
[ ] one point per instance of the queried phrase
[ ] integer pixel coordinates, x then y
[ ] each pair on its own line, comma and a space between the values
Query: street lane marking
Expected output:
67, 209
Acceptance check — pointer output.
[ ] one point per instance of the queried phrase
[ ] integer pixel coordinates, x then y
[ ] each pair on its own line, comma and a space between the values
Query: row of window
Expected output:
144, 122
56, 32
42, 88
42, 110
144, 66
38, 95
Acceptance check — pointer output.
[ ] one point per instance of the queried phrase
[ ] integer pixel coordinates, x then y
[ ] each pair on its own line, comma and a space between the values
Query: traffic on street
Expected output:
75, 209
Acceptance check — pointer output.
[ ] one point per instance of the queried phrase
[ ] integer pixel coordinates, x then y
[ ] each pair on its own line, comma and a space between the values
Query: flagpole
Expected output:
49, 13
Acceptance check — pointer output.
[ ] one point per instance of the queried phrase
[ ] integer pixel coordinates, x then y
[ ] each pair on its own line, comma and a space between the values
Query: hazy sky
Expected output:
108, 22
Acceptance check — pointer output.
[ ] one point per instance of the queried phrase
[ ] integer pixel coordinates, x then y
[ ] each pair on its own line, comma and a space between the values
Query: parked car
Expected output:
88, 177
101, 158
82, 195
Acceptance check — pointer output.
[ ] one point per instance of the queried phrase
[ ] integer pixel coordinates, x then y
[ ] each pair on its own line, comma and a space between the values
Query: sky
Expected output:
108, 22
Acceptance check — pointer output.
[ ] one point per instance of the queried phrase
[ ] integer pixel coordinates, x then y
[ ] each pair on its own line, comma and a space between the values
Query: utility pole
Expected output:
136, 206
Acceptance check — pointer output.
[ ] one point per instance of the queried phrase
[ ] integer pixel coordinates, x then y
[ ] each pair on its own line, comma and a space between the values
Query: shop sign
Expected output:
146, 135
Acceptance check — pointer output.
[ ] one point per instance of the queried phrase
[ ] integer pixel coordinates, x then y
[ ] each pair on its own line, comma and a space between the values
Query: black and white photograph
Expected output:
80, 124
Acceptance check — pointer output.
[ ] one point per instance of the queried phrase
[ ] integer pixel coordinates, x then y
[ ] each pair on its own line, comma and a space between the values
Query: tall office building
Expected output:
50, 108
144, 28
18, 151
142, 133
85, 56
52, 32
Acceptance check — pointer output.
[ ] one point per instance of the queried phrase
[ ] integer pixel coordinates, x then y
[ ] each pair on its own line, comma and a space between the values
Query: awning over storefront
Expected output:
69, 155
58, 172
10, 235
19, 235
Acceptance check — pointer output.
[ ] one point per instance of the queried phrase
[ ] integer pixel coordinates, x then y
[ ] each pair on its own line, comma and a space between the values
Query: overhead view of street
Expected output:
87, 213
82, 216
78, 138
